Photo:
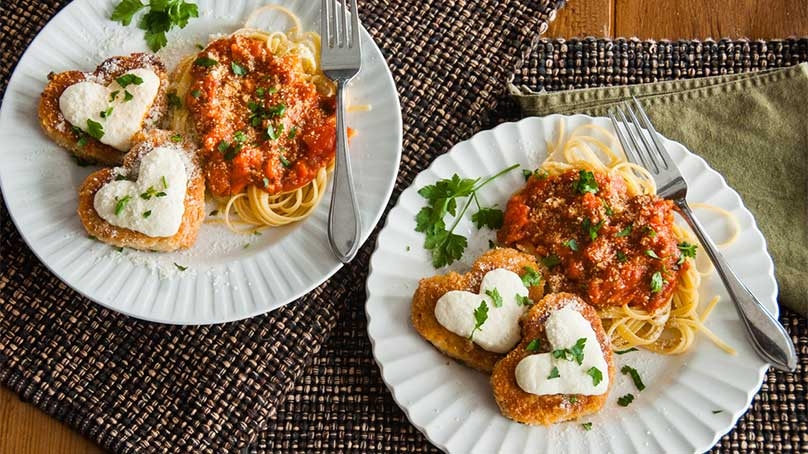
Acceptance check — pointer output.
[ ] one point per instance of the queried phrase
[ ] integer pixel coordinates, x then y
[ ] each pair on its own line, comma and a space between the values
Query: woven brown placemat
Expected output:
141, 387
341, 402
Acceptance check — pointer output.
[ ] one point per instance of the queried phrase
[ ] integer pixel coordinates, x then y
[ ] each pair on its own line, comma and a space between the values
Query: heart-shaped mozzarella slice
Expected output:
155, 203
500, 331
564, 328
119, 110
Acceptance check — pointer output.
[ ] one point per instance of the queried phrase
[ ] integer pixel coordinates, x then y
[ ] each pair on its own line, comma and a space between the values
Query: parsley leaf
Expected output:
523, 300
687, 250
656, 282
480, 316
621, 257
273, 133
596, 374
592, 229
94, 129
625, 232
196, 93
607, 207
572, 244
539, 174
121, 204
574, 353
715, 412
648, 230
174, 100
488, 217
146, 214
651, 253
128, 79
442, 199
205, 62
496, 298
180, 267
533, 345
635, 376
623, 352
125, 10
551, 261
176, 138
587, 426
284, 162
586, 182
106, 113
553, 373
531, 277
238, 69
625, 400
127, 96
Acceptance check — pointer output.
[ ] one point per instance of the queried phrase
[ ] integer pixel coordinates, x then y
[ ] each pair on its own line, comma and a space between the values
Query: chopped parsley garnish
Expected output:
113, 95
174, 100
480, 316
239, 136
533, 345
574, 353
259, 113
121, 204
205, 62
648, 230
214, 213
95, 129
625, 232
292, 133
408, 248
200, 47
272, 133
491, 244
196, 93
572, 244
180, 267
284, 162
260, 91
523, 300
596, 374
176, 138
162, 16
164, 181
442, 199
715, 412
531, 277
586, 182
621, 257
266, 182
238, 69
496, 298
81, 142
488, 217
687, 251
651, 253
623, 352
607, 207
118, 248
127, 96
551, 260
232, 152
152, 192
553, 373
540, 174
573, 399
129, 79
527, 173
146, 214
587, 426
592, 229
277, 110
120, 178
106, 113
625, 400
656, 282
223, 146
272, 90
635, 376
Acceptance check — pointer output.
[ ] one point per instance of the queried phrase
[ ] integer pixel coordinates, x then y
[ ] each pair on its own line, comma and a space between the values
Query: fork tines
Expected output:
334, 24
635, 134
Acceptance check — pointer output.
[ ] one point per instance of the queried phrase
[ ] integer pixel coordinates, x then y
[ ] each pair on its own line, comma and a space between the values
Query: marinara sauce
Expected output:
260, 121
597, 241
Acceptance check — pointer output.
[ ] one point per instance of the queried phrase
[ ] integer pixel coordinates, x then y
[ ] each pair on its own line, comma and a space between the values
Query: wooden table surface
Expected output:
26, 430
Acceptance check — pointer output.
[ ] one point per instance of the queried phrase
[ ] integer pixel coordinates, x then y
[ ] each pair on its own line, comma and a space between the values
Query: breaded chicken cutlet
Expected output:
431, 289
194, 200
524, 407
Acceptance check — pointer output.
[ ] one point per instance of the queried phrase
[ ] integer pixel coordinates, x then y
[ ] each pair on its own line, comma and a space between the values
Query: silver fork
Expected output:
768, 336
341, 58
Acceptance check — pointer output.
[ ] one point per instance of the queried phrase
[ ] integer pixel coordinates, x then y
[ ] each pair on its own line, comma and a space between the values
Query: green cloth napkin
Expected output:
752, 128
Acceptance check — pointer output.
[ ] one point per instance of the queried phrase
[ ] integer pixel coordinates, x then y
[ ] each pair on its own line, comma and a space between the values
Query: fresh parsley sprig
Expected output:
163, 15
480, 317
442, 199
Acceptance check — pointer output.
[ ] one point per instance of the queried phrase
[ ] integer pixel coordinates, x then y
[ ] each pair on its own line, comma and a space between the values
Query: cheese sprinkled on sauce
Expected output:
564, 328
500, 332
129, 106
155, 203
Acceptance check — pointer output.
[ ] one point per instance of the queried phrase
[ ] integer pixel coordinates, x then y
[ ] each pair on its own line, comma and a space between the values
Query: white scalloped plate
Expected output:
225, 281
690, 400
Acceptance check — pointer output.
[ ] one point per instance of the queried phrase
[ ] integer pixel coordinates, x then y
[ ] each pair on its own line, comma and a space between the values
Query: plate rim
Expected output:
397, 138
457, 148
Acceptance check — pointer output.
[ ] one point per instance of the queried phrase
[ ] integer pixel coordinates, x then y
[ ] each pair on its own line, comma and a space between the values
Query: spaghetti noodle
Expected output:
671, 329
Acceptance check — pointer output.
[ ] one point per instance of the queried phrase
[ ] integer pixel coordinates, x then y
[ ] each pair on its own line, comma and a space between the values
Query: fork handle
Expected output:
344, 222
768, 336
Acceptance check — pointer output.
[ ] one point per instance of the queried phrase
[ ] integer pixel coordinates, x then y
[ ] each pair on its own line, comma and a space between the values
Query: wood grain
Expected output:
26, 430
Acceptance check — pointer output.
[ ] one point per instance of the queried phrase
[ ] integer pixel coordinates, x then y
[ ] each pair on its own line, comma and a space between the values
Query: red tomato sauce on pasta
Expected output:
602, 245
260, 120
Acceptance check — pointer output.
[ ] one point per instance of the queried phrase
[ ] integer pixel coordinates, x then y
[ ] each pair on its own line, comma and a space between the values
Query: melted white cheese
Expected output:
152, 215
86, 100
564, 327
500, 332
